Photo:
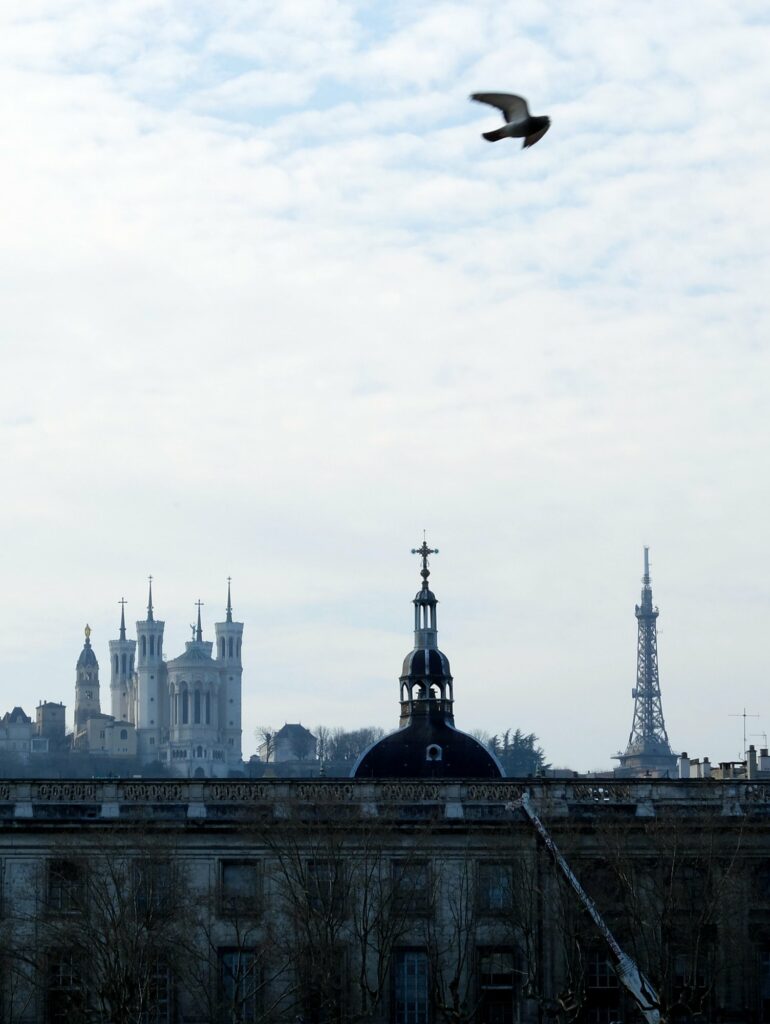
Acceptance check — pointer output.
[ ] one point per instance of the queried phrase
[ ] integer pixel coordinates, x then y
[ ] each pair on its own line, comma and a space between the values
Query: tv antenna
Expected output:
744, 716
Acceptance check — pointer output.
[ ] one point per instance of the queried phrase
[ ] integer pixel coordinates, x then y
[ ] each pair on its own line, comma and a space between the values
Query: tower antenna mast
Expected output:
744, 716
648, 748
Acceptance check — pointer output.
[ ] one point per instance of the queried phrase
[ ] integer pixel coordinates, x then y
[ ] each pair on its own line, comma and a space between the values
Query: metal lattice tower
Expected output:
648, 747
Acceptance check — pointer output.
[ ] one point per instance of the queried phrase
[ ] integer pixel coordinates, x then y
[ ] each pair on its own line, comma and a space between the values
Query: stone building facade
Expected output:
404, 901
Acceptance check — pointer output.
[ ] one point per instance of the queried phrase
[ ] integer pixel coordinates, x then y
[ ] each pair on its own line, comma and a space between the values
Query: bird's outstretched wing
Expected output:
535, 137
514, 108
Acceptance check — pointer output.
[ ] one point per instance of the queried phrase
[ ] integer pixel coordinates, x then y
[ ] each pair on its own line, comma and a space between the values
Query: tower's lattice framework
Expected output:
648, 747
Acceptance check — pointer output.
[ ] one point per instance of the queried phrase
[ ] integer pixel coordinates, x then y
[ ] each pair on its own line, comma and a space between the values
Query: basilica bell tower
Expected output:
86, 685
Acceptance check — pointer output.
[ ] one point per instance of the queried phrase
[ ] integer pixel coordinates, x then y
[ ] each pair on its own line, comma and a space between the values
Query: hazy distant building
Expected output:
16, 733
86, 688
50, 724
183, 714
186, 712
292, 742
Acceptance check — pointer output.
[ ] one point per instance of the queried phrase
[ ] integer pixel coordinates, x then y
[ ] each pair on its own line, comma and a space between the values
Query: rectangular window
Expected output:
153, 885
65, 994
66, 883
159, 994
411, 885
322, 985
496, 986
689, 972
600, 974
763, 977
239, 985
239, 887
326, 886
410, 987
495, 888
602, 998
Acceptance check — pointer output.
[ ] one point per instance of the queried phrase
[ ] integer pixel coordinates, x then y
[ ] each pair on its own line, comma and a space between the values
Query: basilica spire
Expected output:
229, 609
199, 628
149, 602
122, 603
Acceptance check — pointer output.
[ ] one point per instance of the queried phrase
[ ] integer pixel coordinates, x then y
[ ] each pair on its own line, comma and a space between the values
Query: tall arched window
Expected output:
238, 649
144, 646
152, 645
116, 664
197, 707
230, 647
221, 647
185, 708
208, 709
123, 660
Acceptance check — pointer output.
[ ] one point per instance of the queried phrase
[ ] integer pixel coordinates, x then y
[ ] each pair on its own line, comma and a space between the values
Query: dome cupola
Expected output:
87, 657
426, 744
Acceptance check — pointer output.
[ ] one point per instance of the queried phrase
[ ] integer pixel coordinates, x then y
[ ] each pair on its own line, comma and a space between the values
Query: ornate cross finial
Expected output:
423, 552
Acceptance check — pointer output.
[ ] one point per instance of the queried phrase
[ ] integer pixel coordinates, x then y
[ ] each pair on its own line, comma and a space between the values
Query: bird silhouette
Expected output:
519, 123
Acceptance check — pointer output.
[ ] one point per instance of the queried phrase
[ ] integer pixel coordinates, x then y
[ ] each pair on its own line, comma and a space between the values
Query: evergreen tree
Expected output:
518, 753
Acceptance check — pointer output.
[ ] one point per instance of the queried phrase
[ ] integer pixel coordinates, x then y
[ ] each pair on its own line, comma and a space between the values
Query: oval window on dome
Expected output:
433, 752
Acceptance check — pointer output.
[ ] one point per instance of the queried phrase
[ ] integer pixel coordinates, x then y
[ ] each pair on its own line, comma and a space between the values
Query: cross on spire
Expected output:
423, 552
122, 602
199, 630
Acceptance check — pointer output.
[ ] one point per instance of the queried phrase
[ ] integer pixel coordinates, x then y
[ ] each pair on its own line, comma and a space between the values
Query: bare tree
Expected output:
265, 736
104, 931
234, 967
671, 886
450, 940
341, 910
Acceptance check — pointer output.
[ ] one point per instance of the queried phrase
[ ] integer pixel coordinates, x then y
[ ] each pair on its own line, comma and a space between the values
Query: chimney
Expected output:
684, 765
764, 760
751, 762
706, 768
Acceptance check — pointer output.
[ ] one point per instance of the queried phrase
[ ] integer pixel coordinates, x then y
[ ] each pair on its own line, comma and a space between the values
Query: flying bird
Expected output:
519, 123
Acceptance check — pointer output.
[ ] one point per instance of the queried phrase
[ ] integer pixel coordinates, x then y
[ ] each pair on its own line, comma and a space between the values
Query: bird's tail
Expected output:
495, 136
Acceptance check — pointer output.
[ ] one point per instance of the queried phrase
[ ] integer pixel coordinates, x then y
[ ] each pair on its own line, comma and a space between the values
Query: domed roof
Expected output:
87, 657
426, 662
428, 747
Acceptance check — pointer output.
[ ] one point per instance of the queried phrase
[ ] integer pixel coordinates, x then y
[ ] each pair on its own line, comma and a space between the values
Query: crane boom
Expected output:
627, 971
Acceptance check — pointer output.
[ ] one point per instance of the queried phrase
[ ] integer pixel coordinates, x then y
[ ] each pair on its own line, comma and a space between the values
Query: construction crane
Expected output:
627, 971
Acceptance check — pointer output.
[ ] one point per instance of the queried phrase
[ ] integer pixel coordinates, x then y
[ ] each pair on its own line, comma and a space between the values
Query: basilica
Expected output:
183, 713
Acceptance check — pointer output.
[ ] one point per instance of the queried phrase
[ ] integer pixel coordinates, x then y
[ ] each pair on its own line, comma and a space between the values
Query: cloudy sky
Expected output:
270, 307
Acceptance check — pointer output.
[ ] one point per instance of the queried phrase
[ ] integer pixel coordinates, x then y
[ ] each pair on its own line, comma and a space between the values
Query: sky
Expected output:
270, 307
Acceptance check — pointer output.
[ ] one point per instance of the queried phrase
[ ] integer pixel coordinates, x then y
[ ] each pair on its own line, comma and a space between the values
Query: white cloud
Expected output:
270, 307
